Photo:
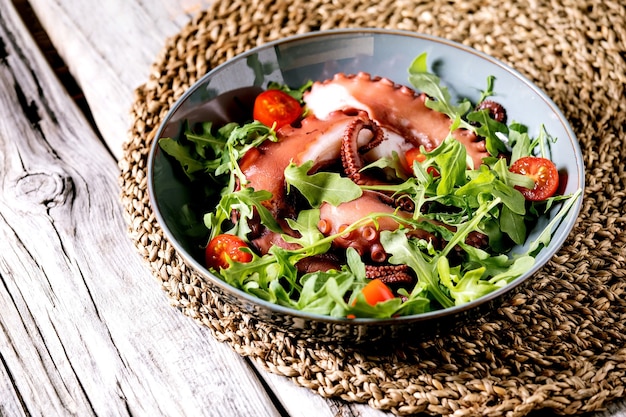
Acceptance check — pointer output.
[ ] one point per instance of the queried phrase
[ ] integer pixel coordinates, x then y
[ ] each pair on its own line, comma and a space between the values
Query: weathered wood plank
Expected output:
75, 42
109, 47
84, 329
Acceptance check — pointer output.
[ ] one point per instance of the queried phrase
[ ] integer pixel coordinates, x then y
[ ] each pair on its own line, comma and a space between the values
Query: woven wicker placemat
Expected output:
558, 344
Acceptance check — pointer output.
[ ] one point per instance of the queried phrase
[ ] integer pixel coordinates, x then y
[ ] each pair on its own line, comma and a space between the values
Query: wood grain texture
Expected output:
125, 74
84, 329
109, 47
65, 314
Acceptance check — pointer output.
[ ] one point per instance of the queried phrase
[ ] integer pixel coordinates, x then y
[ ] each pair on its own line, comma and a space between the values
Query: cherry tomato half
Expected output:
224, 247
276, 106
415, 155
376, 291
542, 171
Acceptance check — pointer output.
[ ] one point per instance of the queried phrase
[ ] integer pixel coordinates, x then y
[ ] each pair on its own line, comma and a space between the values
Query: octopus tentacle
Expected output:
352, 160
390, 274
351, 151
366, 238
496, 111
321, 262
399, 110
314, 140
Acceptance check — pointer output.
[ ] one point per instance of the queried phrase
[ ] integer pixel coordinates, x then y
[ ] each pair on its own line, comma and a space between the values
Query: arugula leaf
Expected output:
544, 238
274, 278
513, 224
485, 184
415, 305
520, 142
296, 93
381, 310
517, 268
413, 188
405, 251
240, 140
544, 139
489, 91
256, 276
321, 187
323, 293
310, 236
216, 153
244, 201
183, 154
463, 230
390, 164
498, 268
439, 97
198, 153
451, 163
463, 287
356, 265
489, 129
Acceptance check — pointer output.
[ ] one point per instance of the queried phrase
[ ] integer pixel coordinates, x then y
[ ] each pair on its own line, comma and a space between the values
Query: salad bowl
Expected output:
227, 93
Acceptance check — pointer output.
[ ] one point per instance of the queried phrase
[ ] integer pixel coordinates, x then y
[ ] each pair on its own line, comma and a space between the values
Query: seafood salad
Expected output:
358, 197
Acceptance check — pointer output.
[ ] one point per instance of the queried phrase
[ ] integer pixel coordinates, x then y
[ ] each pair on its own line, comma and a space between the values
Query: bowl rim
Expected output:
568, 222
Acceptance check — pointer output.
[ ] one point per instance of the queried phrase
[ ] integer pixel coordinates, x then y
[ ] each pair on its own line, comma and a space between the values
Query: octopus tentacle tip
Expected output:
359, 248
369, 233
496, 111
324, 226
407, 91
347, 235
377, 253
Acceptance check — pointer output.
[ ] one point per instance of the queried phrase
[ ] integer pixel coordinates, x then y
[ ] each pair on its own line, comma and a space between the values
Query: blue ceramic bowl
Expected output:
318, 56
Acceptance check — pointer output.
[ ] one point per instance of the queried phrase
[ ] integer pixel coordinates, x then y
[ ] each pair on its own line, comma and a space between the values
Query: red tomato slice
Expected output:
224, 247
376, 291
276, 106
414, 155
542, 171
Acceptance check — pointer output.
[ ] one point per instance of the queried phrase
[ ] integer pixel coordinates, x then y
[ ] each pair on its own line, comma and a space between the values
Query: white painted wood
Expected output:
84, 328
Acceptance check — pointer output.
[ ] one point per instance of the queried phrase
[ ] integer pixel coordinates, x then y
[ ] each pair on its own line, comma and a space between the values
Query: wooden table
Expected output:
71, 341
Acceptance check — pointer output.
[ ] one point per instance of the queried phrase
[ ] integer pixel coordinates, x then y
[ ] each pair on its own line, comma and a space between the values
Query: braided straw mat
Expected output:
560, 343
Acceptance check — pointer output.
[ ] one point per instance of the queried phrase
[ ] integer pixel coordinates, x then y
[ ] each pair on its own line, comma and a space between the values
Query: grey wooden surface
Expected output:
71, 341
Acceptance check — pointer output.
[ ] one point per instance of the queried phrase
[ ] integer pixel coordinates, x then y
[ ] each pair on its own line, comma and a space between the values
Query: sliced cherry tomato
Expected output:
432, 171
415, 155
542, 171
224, 247
376, 291
276, 106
